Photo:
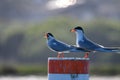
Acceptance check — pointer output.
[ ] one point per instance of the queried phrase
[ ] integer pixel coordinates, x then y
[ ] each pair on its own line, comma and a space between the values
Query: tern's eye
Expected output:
48, 35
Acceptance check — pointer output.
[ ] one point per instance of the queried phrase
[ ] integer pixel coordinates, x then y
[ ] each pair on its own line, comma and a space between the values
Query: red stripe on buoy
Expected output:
71, 66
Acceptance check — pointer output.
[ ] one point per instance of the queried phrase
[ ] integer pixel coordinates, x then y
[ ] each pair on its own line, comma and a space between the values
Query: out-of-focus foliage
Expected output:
105, 70
23, 70
26, 44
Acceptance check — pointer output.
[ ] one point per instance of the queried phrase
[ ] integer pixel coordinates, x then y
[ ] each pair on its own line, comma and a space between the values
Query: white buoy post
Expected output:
68, 68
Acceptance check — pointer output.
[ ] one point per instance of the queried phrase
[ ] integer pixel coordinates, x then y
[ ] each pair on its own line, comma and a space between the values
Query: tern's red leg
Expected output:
62, 55
58, 56
86, 55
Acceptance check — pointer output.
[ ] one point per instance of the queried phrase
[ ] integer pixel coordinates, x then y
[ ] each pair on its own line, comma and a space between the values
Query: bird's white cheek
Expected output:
80, 36
77, 44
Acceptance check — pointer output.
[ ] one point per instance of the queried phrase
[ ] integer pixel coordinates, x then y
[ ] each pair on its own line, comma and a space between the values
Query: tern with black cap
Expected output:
83, 42
61, 47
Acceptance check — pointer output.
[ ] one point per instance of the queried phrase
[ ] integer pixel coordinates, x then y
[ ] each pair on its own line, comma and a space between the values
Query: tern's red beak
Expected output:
45, 36
72, 30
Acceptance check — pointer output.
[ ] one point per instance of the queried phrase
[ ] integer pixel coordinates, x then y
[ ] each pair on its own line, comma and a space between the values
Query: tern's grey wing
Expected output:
94, 46
88, 44
58, 45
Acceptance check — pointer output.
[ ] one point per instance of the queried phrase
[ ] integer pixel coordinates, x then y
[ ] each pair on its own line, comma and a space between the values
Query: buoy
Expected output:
68, 68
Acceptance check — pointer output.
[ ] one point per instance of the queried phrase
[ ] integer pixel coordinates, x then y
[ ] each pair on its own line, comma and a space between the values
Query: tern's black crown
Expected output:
79, 28
49, 34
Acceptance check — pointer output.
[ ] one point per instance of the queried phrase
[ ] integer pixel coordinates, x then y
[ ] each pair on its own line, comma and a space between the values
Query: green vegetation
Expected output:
105, 70
24, 70
38, 70
24, 44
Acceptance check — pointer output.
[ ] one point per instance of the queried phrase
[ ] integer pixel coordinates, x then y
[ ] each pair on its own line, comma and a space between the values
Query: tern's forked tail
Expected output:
110, 49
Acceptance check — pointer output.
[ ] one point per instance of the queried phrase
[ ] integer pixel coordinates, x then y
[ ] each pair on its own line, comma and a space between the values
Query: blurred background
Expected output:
23, 49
